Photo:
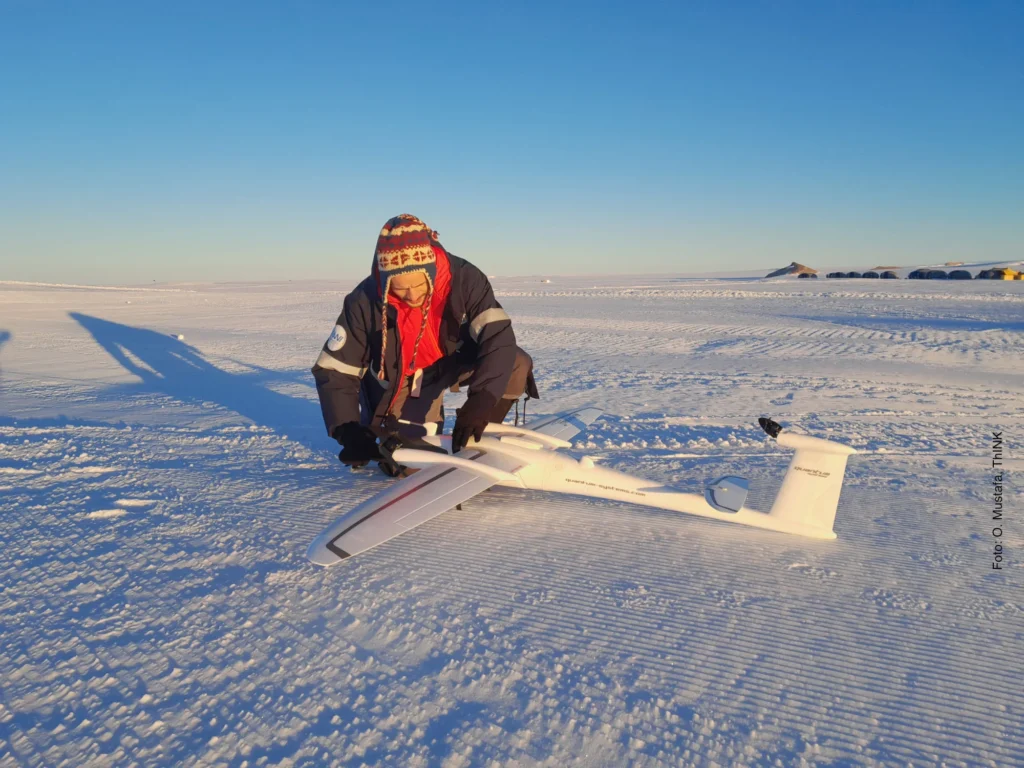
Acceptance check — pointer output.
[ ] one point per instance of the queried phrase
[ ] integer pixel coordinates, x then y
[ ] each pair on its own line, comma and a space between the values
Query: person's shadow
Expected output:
172, 367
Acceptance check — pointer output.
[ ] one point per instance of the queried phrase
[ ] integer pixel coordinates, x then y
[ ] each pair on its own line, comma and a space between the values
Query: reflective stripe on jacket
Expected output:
474, 329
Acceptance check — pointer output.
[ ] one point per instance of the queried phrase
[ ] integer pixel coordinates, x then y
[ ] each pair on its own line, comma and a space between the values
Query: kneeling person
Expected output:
424, 321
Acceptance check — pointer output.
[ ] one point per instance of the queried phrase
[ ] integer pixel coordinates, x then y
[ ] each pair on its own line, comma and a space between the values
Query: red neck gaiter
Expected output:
410, 321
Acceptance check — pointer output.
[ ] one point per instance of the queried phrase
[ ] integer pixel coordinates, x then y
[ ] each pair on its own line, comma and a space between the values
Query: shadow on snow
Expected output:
172, 367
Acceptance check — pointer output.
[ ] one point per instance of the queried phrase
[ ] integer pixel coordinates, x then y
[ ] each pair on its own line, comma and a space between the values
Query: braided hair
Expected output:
425, 311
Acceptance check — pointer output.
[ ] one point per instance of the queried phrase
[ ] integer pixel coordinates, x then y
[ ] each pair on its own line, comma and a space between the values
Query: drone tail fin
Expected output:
809, 495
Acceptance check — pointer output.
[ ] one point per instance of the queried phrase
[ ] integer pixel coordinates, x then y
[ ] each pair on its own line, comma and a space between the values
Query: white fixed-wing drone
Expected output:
516, 457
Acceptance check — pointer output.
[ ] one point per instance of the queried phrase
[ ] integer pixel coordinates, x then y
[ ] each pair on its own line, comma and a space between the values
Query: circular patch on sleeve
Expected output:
337, 339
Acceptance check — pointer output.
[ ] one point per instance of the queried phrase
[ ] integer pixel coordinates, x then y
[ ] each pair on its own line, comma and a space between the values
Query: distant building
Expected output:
1002, 273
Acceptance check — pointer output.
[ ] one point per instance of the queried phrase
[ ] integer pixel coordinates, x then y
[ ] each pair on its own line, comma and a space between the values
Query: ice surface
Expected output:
158, 494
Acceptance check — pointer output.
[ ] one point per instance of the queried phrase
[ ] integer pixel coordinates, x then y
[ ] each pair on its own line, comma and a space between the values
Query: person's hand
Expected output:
359, 444
471, 419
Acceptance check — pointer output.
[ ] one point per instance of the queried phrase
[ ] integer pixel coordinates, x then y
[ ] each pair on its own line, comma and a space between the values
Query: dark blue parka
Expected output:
475, 331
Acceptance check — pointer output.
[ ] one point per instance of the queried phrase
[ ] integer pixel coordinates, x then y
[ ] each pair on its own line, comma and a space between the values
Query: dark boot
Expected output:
396, 470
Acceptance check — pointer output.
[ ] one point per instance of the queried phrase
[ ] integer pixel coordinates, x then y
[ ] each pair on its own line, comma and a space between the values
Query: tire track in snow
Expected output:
570, 336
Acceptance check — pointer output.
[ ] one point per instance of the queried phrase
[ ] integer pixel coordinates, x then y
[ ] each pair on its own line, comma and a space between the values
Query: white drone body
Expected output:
517, 457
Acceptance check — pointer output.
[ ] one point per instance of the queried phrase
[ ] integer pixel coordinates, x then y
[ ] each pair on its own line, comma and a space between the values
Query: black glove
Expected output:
359, 443
472, 418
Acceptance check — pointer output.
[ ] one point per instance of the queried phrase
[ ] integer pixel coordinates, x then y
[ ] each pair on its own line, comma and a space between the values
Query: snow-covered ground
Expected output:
162, 471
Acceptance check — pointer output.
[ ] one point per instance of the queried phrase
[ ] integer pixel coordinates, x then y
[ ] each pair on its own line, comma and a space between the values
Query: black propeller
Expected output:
770, 427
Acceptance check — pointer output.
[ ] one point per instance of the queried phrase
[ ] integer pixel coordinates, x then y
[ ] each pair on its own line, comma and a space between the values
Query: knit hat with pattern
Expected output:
405, 245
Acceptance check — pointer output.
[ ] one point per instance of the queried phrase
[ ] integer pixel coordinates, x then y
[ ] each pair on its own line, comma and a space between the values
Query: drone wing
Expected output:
566, 426
424, 495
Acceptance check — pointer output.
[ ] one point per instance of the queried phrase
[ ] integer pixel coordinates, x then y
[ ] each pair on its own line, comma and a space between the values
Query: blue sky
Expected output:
234, 141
